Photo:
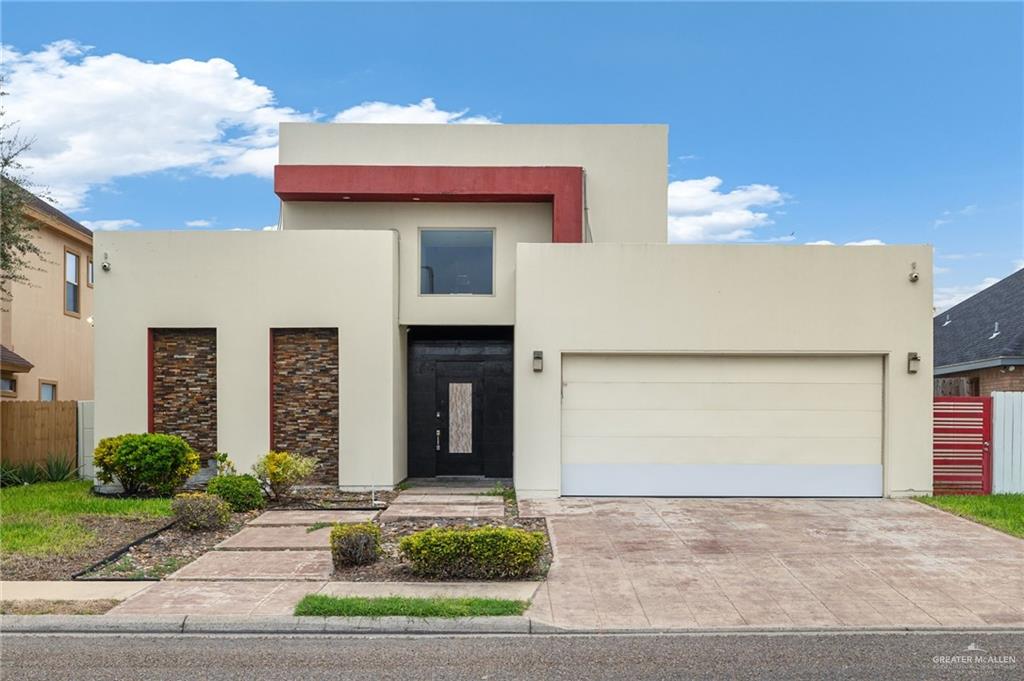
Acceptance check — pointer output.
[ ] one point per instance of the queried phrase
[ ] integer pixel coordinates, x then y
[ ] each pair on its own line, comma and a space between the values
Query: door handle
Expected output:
437, 440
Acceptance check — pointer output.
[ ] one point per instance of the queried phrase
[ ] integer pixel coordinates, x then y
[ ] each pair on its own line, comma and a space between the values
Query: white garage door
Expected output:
721, 426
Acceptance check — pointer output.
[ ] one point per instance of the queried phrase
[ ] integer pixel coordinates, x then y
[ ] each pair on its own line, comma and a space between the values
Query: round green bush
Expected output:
150, 462
242, 492
473, 553
200, 511
355, 544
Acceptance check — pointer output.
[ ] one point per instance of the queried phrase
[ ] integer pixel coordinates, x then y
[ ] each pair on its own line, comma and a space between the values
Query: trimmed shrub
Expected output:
150, 462
199, 511
356, 544
278, 472
473, 553
242, 492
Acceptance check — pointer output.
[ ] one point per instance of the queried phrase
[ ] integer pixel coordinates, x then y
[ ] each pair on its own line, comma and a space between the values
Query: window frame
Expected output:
449, 228
45, 381
65, 282
90, 272
10, 393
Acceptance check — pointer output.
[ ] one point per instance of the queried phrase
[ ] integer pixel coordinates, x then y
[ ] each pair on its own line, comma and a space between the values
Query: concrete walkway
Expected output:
70, 591
415, 503
278, 598
661, 563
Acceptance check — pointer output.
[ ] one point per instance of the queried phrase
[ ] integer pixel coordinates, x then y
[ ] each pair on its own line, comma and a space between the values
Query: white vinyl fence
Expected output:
86, 411
1008, 442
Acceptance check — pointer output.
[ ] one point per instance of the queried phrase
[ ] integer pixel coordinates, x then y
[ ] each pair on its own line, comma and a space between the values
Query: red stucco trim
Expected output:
149, 380
561, 186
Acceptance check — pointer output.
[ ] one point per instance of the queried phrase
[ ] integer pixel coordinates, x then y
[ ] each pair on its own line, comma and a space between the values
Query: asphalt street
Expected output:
891, 656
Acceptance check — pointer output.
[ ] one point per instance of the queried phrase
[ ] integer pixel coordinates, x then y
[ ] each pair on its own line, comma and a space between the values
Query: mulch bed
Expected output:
39, 607
112, 532
166, 552
392, 568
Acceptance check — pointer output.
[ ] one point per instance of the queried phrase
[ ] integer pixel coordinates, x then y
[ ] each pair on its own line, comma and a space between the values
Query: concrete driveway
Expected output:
667, 563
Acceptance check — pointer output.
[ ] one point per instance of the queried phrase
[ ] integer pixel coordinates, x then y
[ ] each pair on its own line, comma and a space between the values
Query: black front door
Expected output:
460, 402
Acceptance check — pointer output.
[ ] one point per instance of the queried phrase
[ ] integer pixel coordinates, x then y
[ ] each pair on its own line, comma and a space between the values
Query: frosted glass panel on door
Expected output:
460, 418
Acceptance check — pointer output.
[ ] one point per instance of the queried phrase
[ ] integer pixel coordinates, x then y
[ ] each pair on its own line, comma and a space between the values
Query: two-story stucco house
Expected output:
46, 333
501, 301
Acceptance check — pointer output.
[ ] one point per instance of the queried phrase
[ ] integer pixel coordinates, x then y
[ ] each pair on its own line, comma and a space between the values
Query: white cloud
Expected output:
948, 216
198, 223
688, 157
110, 225
940, 270
698, 211
270, 228
946, 297
1018, 264
98, 117
865, 242
425, 111
823, 242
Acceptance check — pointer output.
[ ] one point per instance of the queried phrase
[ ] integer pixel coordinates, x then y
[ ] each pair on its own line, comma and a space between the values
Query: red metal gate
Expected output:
962, 445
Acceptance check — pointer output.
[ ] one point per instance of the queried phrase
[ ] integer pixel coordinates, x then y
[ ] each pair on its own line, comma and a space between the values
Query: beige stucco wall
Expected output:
626, 165
60, 346
512, 223
723, 300
244, 284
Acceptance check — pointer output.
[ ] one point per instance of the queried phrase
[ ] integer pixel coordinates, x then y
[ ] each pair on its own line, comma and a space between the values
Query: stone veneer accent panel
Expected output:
305, 391
184, 375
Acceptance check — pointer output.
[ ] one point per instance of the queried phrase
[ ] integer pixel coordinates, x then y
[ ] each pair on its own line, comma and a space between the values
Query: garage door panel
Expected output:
730, 369
719, 450
721, 481
723, 396
722, 426
753, 424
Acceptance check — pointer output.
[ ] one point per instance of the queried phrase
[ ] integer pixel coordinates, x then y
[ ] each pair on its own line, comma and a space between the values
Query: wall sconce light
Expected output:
538, 361
913, 362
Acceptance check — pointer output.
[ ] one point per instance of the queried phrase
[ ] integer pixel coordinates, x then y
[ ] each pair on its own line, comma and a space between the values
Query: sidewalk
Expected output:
71, 591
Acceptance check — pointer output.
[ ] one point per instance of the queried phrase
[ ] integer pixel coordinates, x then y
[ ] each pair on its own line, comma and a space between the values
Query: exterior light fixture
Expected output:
913, 362
538, 361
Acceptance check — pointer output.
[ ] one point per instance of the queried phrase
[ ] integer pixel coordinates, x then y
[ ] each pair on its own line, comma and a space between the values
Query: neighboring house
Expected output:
979, 343
47, 333
502, 301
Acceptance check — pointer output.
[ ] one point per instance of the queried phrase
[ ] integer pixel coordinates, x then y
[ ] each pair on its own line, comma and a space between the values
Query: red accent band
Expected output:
149, 380
561, 186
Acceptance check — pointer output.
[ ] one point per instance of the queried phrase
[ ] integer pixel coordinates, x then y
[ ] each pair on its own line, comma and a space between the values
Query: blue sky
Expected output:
821, 121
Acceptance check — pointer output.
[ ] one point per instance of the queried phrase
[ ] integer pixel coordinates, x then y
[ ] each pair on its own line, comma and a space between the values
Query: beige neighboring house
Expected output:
47, 332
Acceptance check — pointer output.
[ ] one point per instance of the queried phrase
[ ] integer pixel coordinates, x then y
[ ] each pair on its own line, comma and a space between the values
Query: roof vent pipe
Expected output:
995, 332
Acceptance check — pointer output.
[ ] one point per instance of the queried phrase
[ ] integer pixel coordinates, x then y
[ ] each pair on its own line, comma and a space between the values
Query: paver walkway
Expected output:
417, 504
311, 517
665, 563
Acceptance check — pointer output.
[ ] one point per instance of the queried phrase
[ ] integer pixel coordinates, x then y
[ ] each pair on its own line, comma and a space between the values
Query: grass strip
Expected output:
319, 605
1004, 512
40, 519
43, 607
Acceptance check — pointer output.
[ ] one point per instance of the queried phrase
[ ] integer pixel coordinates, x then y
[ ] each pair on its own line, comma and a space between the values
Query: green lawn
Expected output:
316, 605
39, 519
1002, 511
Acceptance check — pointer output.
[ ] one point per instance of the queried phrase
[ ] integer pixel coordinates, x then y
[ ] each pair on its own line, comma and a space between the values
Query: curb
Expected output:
213, 624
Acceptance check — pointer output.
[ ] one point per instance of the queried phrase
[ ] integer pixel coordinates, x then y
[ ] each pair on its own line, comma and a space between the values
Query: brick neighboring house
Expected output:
46, 332
979, 343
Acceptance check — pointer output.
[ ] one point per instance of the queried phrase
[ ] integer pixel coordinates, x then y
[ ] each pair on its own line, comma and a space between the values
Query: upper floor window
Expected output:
88, 272
72, 294
47, 391
9, 385
457, 261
